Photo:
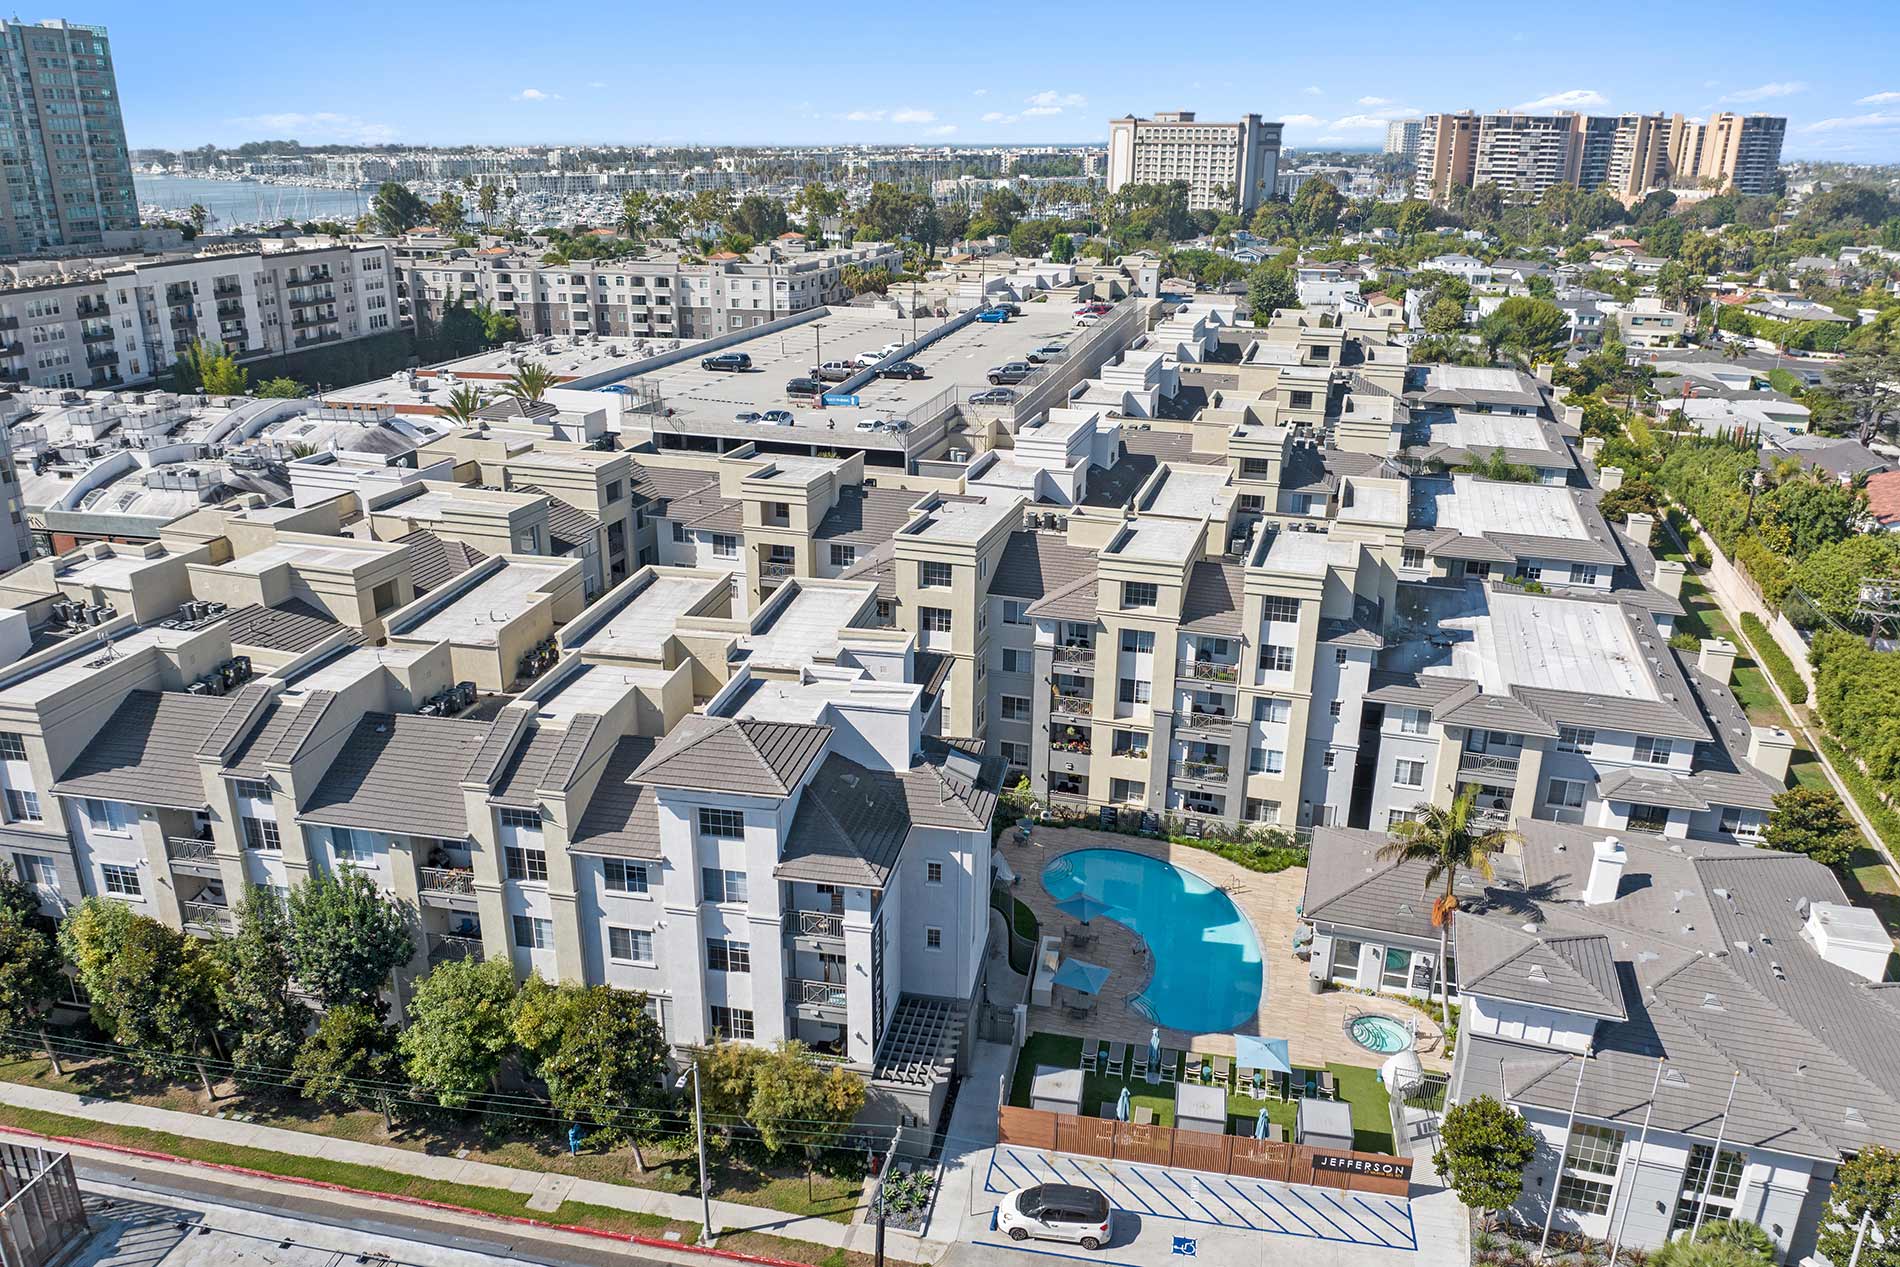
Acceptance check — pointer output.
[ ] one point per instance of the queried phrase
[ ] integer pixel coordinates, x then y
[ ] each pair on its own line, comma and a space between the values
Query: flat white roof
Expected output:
595, 688
352, 667
341, 553
1503, 638
809, 628
1160, 541
642, 626
1306, 553
1190, 492
475, 616
1474, 507
967, 521
71, 672
1464, 429
1475, 378
114, 569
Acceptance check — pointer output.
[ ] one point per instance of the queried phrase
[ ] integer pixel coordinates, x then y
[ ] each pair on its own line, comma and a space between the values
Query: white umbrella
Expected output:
1154, 1054
1121, 1105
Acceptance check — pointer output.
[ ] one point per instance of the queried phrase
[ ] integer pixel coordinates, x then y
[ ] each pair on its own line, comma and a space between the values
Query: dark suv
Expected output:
804, 387
733, 362
1014, 372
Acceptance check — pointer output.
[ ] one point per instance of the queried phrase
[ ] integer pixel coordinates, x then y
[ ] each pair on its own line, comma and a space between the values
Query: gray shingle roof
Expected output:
437, 560
249, 704
1574, 973
622, 818
1036, 564
1347, 883
545, 761
567, 523
246, 760
865, 516
686, 496
147, 753
292, 625
1212, 602
399, 773
1074, 601
719, 754
850, 827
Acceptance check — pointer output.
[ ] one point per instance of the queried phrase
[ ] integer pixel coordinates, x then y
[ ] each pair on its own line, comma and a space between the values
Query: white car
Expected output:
1056, 1212
865, 360
889, 349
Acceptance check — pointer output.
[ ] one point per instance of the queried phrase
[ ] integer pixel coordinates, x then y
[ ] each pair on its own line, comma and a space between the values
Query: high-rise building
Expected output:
1227, 166
1446, 149
1741, 152
1525, 154
1638, 156
69, 175
1401, 138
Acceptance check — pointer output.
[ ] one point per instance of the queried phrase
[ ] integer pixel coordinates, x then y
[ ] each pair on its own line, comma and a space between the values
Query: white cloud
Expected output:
1879, 99
1052, 102
1302, 120
1313, 90
322, 125
997, 116
1037, 111
1330, 138
912, 115
1359, 123
596, 84
981, 92
1570, 99
1375, 101
942, 129
1873, 119
535, 94
1768, 91
865, 116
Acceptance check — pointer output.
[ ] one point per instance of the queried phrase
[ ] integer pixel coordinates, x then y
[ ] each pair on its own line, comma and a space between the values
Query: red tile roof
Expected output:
1883, 496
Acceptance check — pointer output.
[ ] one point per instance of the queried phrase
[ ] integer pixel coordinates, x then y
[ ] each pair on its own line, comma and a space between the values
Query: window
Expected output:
521, 819
12, 746
1653, 751
35, 869
933, 939
1015, 612
725, 955
1722, 1192
843, 556
1138, 641
936, 619
1329, 759
120, 881
1414, 721
1129, 743
1565, 794
532, 933
1140, 594
1262, 811
1016, 754
1529, 572
1583, 1196
260, 833
107, 815
932, 575
1408, 773
1583, 574
354, 846
1273, 710
624, 877
1127, 791
251, 789
1652, 819
1576, 739
1346, 961
1015, 661
1135, 690
679, 534
1741, 823
1015, 708
1280, 610
933, 873
1411, 557
725, 545
1333, 709
629, 945
1393, 817
733, 1023
22, 806
1339, 655
1266, 761
612, 493
722, 824
1276, 659
722, 885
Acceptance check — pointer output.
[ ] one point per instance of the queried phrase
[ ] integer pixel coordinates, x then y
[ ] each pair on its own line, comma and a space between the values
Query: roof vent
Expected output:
1711, 1002
1674, 1078
1537, 973
1801, 1069
1776, 969
1530, 928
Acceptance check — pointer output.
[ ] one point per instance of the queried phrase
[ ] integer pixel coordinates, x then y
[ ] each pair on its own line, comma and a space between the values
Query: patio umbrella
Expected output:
1269, 1054
1154, 1054
1121, 1105
1080, 975
1004, 872
1260, 1124
1082, 907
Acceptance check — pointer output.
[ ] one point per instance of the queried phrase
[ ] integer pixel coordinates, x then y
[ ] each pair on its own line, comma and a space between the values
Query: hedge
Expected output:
1769, 653
1866, 795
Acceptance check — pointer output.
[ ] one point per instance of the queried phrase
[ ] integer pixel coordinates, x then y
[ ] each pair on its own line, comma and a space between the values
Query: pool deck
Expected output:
1313, 1024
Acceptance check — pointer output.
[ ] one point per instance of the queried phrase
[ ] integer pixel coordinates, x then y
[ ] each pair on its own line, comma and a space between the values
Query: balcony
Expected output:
181, 320
15, 348
9, 323
819, 1000
1208, 671
209, 917
450, 947
1487, 763
306, 340
227, 290
815, 930
1070, 739
96, 334
102, 356
1198, 772
307, 301
1082, 657
452, 887
1204, 721
1069, 799
91, 308
192, 856
230, 309
304, 320
1071, 705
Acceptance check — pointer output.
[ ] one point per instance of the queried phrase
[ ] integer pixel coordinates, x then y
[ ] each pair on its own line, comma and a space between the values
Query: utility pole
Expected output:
699, 1132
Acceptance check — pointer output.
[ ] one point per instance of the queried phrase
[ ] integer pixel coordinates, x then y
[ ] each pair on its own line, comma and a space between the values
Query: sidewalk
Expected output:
967, 1144
544, 1191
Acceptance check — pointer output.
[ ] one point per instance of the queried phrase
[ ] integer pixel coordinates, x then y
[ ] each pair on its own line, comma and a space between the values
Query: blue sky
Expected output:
432, 72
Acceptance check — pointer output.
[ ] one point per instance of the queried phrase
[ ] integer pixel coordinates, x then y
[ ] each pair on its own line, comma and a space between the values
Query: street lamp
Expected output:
699, 1132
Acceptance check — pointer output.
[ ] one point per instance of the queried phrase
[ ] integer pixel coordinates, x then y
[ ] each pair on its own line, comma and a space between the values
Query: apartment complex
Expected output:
1402, 139
69, 175
1227, 166
663, 295
119, 320
1626, 155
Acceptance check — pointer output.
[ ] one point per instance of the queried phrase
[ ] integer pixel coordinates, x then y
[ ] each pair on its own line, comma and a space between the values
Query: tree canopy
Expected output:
1483, 1147
345, 937
461, 1024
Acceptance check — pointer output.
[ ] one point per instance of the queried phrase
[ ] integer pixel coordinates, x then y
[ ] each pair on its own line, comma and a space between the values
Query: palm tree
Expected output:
1444, 840
198, 216
530, 383
462, 406
633, 212
488, 200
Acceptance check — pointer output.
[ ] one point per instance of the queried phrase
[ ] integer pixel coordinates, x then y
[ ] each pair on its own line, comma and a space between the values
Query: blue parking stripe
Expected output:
1344, 1209
1182, 1189
1408, 1231
1296, 1216
1306, 1201
1230, 1207
1263, 1210
1159, 1194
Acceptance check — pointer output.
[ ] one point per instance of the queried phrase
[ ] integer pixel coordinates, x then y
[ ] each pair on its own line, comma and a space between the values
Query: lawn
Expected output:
1360, 1087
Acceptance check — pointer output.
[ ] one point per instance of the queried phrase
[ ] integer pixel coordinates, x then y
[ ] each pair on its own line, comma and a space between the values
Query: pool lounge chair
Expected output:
1170, 1064
1138, 1062
1326, 1087
1091, 1056
1144, 1116
1117, 1056
1251, 1083
1223, 1071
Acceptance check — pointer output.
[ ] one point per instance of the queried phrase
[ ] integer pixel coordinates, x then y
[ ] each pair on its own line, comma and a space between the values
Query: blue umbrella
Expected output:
1269, 1054
1080, 975
1121, 1105
1082, 907
1260, 1124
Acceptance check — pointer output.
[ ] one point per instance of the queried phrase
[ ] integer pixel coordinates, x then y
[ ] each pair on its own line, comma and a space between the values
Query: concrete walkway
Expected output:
545, 1191
967, 1145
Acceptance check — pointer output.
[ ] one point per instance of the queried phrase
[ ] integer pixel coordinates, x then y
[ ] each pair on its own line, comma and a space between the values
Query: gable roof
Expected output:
437, 560
1574, 973
866, 516
399, 773
292, 625
622, 817
568, 524
1211, 604
147, 753
1035, 564
718, 754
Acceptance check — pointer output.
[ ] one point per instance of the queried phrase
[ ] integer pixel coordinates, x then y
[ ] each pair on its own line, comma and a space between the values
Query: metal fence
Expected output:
43, 1215
1050, 386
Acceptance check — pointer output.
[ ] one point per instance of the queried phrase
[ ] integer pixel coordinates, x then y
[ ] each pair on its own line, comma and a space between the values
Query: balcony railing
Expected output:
457, 880
447, 947
1072, 705
96, 308
1199, 771
304, 319
227, 290
1083, 657
1068, 744
1208, 671
102, 356
1487, 762
1491, 817
770, 567
827, 994
212, 915
1205, 721
815, 924
190, 849
96, 334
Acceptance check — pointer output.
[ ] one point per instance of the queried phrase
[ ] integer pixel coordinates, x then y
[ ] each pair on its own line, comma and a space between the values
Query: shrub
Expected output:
1774, 659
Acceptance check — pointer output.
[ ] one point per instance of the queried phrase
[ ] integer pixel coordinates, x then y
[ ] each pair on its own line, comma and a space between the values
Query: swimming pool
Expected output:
1380, 1034
1208, 971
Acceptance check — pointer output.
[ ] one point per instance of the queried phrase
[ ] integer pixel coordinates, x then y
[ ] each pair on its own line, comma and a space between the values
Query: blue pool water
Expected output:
1380, 1034
1208, 973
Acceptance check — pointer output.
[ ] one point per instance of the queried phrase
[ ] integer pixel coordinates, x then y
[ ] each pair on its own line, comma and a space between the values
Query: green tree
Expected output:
1812, 821
1317, 207
530, 383
596, 1048
397, 209
1867, 1185
462, 405
1445, 316
781, 1093
349, 1049
488, 201
1711, 1251
1483, 1147
1414, 217
346, 937
197, 215
1527, 329
758, 217
460, 1027
1445, 842
153, 990
1062, 248
1867, 382
1831, 576
254, 998
207, 368
1270, 287
636, 205
1816, 512
29, 958
281, 389
447, 213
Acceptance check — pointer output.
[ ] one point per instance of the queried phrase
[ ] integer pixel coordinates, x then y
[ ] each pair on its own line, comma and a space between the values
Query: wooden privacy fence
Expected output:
1201, 1150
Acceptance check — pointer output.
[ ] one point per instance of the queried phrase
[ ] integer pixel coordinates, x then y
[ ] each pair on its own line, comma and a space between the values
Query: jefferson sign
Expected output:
1346, 1163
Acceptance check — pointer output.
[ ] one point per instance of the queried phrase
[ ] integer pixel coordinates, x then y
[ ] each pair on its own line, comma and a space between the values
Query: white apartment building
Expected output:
1227, 166
1401, 138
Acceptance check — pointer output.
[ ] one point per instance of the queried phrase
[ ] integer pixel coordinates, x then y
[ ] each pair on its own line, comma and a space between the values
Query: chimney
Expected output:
1850, 937
1606, 871
1573, 417
1769, 748
1640, 526
1668, 577
1717, 659
1592, 445
1609, 478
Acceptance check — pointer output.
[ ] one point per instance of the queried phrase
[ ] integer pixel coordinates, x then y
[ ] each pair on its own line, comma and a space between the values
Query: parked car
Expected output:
890, 349
1097, 307
777, 418
747, 416
1014, 310
804, 387
1047, 353
834, 371
732, 362
1056, 1212
902, 369
865, 360
993, 315
1086, 319
1012, 372
994, 396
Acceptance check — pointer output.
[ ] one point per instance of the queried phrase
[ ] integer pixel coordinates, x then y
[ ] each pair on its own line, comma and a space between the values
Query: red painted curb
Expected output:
630, 1238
